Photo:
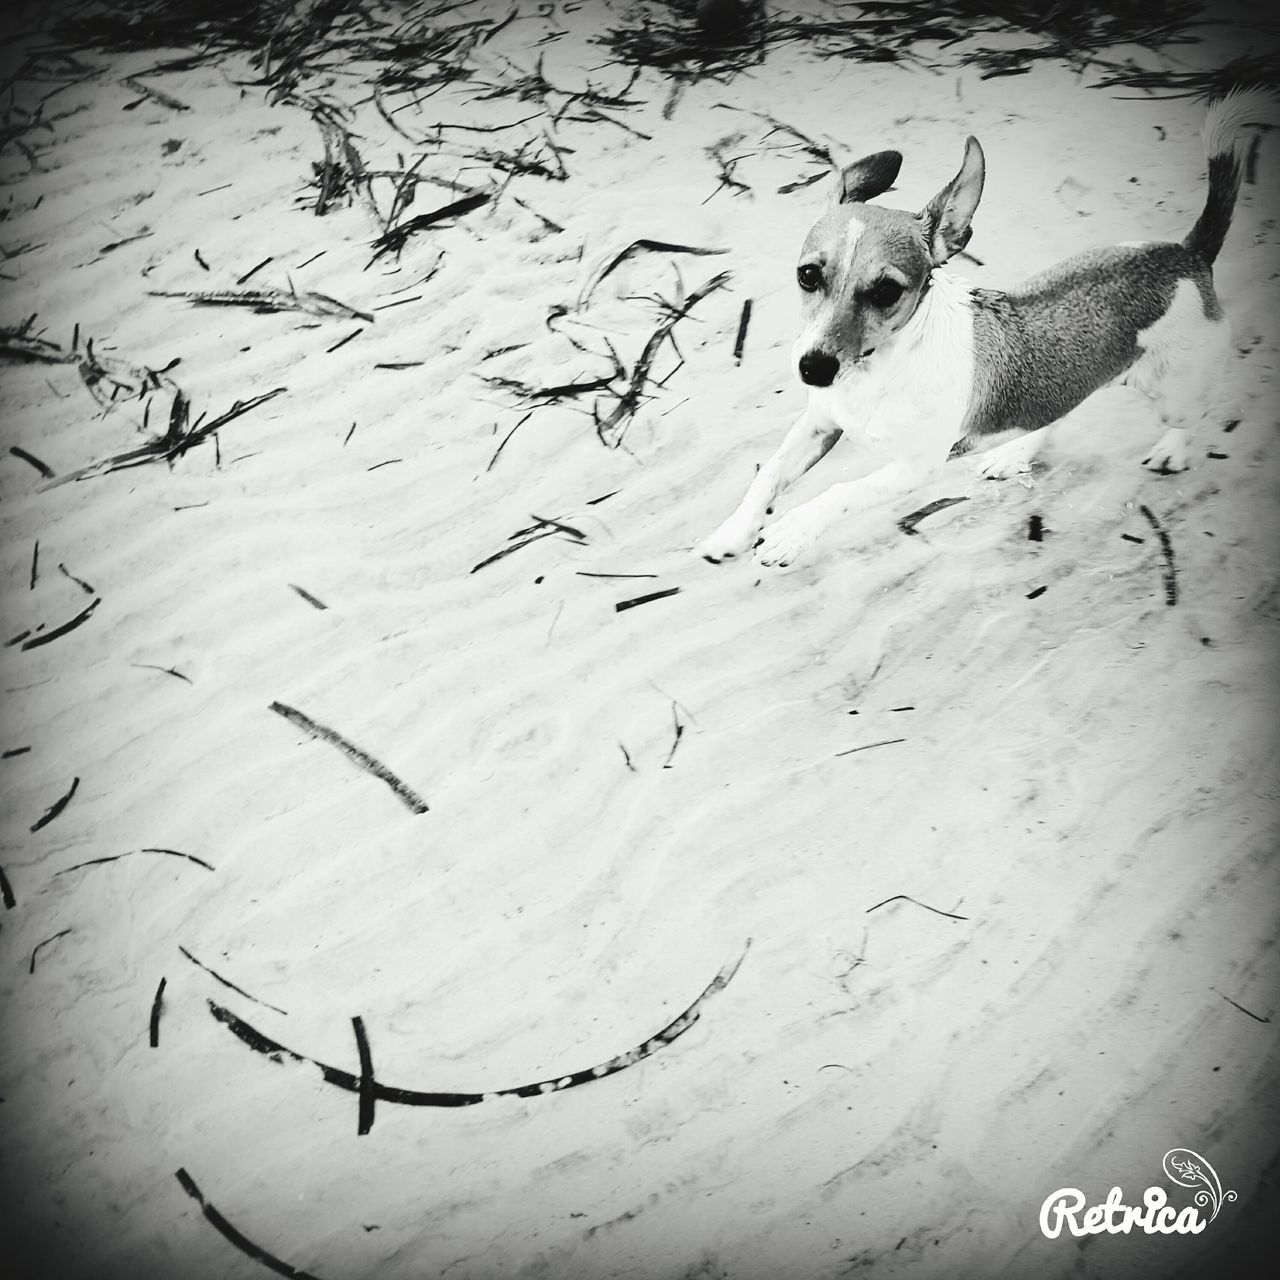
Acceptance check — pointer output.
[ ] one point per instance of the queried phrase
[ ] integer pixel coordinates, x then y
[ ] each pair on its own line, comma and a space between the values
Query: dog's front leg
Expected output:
808, 441
799, 529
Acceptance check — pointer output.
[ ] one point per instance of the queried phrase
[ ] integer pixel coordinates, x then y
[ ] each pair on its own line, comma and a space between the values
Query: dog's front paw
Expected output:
787, 540
1169, 454
730, 540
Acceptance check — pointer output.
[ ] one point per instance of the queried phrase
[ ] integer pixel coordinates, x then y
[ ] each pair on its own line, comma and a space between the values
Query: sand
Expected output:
987, 820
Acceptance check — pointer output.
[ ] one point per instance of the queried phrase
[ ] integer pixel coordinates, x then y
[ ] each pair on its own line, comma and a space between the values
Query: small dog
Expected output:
922, 367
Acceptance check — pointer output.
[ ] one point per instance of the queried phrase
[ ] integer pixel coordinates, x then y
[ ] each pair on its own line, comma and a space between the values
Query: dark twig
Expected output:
62, 933
115, 857
675, 741
1234, 1005
505, 438
56, 807
46, 637
231, 986
908, 523
394, 240
43, 468
157, 1007
341, 1079
740, 341
888, 742
623, 605
169, 671
1166, 548
362, 759
308, 597
241, 1242
367, 1082
902, 897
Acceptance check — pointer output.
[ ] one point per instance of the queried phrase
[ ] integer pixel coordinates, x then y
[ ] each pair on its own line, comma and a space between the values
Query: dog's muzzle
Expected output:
817, 369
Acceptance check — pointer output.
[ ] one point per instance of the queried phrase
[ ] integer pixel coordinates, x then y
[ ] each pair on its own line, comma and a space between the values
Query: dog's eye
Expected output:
810, 277
884, 293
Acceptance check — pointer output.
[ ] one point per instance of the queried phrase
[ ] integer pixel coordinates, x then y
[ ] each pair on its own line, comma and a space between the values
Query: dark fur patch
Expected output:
1206, 237
1044, 346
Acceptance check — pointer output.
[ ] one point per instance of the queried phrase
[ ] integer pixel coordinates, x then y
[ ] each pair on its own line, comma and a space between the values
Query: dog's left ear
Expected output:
947, 216
869, 177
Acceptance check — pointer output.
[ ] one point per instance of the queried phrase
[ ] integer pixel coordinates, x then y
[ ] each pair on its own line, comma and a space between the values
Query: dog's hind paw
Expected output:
1169, 454
1007, 461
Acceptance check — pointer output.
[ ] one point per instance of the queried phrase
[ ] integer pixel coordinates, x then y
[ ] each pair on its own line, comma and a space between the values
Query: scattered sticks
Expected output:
541, 528
612, 428
1166, 548
380, 1092
241, 1242
21, 344
362, 759
56, 807
176, 441
638, 246
902, 897
6, 892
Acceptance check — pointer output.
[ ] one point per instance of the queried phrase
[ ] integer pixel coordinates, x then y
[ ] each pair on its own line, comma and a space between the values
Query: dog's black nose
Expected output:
818, 369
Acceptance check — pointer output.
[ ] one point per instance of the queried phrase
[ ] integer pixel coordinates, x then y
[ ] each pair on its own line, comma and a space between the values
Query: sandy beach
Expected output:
418, 862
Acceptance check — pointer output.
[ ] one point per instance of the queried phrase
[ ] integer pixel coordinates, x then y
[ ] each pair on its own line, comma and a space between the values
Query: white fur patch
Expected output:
1233, 112
1182, 369
909, 400
852, 234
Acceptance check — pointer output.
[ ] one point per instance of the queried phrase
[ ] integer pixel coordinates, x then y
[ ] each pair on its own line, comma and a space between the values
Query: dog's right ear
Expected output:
947, 216
869, 177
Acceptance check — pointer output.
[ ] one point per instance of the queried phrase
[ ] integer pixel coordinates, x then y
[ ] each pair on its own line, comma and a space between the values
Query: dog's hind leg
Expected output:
1182, 370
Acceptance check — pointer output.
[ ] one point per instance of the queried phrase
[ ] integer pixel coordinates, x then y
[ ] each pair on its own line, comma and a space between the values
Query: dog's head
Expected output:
864, 268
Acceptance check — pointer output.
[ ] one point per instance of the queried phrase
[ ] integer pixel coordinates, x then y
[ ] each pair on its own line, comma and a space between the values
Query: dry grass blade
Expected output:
265, 301
19, 343
394, 240
173, 444
611, 428
638, 246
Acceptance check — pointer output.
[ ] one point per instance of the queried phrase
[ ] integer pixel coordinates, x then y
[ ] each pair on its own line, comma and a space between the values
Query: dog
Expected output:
922, 367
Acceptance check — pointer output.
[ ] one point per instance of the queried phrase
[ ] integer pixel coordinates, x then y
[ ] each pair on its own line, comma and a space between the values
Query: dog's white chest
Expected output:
912, 397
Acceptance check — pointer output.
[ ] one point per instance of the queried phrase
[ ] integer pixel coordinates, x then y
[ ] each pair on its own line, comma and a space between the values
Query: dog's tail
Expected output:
1225, 148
